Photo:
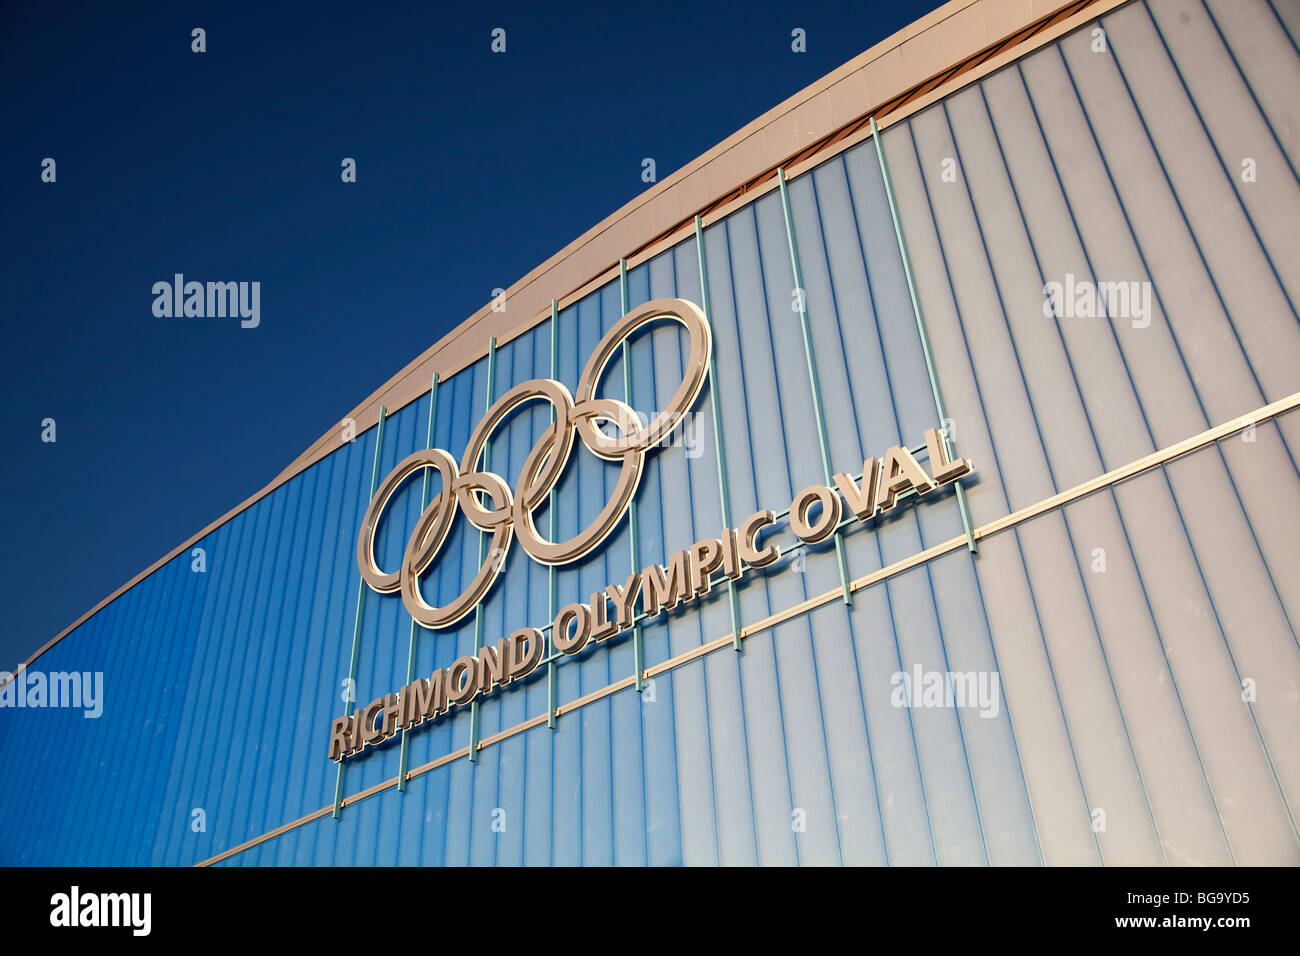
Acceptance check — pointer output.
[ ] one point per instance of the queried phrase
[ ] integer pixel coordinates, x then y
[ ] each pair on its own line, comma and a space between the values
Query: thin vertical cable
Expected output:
717, 426
482, 543
638, 648
551, 689
962, 506
402, 762
813, 380
361, 593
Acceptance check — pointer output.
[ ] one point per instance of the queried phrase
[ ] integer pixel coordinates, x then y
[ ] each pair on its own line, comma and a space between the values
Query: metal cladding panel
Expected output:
1119, 628
1101, 166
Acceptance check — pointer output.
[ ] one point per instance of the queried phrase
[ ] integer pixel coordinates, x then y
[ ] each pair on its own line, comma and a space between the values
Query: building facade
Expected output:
1055, 242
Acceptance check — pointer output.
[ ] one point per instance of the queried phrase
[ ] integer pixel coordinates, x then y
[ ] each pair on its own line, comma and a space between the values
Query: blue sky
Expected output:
472, 168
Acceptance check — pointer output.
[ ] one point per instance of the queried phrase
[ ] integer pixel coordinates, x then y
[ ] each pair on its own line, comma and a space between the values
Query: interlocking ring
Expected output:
486, 499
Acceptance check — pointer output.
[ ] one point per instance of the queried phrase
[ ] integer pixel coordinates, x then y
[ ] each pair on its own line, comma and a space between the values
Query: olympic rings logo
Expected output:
510, 514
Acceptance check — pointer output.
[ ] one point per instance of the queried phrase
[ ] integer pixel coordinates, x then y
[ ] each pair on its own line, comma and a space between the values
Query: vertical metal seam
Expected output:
921, 329
404, 758
723, 488
361, 593
813, 382
482, 543
638, 645
551, 688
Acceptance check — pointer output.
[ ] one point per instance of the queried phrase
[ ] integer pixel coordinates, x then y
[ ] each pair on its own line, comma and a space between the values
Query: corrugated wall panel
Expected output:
1120, 627
1059, 175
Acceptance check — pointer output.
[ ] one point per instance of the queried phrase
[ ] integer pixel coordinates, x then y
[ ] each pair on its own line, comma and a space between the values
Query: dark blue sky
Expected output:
472, 168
